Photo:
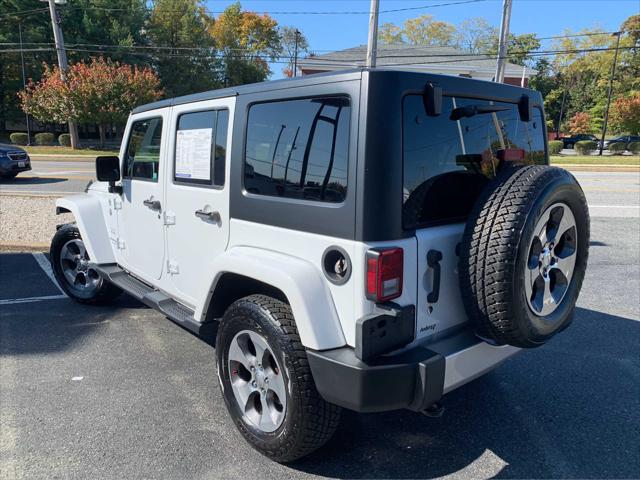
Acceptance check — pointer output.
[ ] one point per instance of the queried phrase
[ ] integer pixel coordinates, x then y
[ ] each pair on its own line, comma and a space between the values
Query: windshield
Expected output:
448, 161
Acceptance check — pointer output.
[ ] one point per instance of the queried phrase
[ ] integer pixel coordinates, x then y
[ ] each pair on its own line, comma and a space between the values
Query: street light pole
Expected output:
372, 46
24, 82
62, 63
504, 38
613, 74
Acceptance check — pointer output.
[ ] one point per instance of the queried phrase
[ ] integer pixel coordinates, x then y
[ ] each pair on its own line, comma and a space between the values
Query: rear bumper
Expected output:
413, 379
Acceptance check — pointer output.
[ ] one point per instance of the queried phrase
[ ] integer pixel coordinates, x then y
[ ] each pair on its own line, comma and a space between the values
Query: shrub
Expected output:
44, 138
585, 147
634, 147
19, 138
555, 147
617, 147
64, 139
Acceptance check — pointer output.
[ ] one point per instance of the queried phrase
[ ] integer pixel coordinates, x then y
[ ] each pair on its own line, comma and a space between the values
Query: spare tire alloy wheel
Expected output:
552, 259
257, 381
523, 255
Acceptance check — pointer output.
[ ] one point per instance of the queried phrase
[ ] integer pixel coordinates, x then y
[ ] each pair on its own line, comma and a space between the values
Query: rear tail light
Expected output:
384, 274
510, 154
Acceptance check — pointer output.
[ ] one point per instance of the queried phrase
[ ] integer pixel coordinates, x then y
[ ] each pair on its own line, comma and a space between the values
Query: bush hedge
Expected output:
45, 138
555, 147
64, 139
19, 138
617, 147
634, 147
585, 147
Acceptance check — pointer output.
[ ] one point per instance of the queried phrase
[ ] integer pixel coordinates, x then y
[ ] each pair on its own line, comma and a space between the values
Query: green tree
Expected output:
625, 114
289, 38
390, 33
425, 30
476, 35
185, 55
518, 47
246, 42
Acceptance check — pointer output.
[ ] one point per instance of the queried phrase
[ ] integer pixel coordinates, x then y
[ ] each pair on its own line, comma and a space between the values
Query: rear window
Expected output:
447, 162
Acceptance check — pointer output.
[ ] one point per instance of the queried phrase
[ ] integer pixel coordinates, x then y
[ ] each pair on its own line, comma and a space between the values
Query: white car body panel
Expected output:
89, 213
311, 302
191, 241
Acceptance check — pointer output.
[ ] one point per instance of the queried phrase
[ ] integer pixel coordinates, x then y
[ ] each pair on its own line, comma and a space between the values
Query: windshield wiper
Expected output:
471, 110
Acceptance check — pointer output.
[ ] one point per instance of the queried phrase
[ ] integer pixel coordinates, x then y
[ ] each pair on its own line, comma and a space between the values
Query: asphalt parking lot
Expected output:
121, 392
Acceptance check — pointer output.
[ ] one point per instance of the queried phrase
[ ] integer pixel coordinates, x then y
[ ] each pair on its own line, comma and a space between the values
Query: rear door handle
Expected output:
208, 215
433, 260
152, 204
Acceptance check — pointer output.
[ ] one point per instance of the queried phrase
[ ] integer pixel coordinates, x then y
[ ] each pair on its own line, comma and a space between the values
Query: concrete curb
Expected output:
34, 195
599, 168
23, 247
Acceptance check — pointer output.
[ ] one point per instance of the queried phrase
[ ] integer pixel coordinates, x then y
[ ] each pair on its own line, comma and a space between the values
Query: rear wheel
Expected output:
74, 270
266, 381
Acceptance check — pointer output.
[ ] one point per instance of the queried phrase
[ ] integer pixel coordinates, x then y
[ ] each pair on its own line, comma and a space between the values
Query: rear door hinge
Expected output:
117, 203
172, 267
117, 242
169, 218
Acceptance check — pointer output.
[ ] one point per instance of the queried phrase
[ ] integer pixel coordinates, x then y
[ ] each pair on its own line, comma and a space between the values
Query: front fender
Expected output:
92, 225
310, 300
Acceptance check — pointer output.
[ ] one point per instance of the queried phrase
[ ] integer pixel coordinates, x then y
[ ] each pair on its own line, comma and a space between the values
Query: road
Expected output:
120, 392
48, 177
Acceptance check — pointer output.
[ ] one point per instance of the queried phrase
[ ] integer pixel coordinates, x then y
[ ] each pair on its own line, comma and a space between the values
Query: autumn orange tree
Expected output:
580, 123
100, 92
625, 114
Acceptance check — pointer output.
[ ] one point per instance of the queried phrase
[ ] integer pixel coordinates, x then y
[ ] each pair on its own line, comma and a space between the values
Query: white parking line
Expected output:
45, 265
13, 301
614, 206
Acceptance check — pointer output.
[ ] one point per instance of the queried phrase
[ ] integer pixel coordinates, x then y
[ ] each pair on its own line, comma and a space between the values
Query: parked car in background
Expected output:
570, 142
625, 139
13, 160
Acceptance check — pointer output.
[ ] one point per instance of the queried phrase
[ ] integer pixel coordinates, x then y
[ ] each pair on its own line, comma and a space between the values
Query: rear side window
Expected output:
142, 160
298, 149
447, 162
201, 142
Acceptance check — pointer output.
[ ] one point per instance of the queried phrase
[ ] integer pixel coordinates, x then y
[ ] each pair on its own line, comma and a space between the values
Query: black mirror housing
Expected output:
525, 109
432, 99
108, 170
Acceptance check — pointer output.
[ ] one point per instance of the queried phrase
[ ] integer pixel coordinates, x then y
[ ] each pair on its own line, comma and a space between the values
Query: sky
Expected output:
336, 32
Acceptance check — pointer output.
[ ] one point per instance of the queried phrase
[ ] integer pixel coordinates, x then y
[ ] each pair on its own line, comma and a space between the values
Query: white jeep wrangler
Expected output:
367, 239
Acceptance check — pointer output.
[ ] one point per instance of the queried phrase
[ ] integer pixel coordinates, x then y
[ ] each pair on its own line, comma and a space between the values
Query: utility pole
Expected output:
372, 46
613, 74
295, 54
504, 38
62, 63
24, 81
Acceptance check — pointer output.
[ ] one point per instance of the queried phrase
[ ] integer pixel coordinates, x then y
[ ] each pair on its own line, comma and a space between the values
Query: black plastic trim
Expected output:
388, 329
413, 379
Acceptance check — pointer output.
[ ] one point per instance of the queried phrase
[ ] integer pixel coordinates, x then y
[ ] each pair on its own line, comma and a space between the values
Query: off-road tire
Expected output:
106, 291
309, 420
495, 244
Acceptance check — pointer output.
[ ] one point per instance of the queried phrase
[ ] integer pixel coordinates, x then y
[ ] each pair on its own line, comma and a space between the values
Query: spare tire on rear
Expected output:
524, 254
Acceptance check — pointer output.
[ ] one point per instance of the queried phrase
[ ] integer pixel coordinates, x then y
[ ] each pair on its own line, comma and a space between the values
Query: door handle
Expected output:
433, 260
207, 215
152, 204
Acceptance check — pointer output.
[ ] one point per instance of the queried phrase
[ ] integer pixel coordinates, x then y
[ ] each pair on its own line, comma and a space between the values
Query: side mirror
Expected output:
108, 170
525, 109
432, 99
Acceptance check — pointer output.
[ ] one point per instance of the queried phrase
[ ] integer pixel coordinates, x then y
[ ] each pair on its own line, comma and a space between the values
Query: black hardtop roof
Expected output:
314, 79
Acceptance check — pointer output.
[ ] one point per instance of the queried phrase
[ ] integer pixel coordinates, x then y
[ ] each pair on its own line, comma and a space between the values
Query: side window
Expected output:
201, 142
142, 161
299, 149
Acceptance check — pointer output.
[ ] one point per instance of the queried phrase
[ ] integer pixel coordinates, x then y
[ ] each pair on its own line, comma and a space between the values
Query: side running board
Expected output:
157, 300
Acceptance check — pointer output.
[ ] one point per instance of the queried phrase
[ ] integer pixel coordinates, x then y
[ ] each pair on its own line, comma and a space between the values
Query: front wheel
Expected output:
266, 381
74, 271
